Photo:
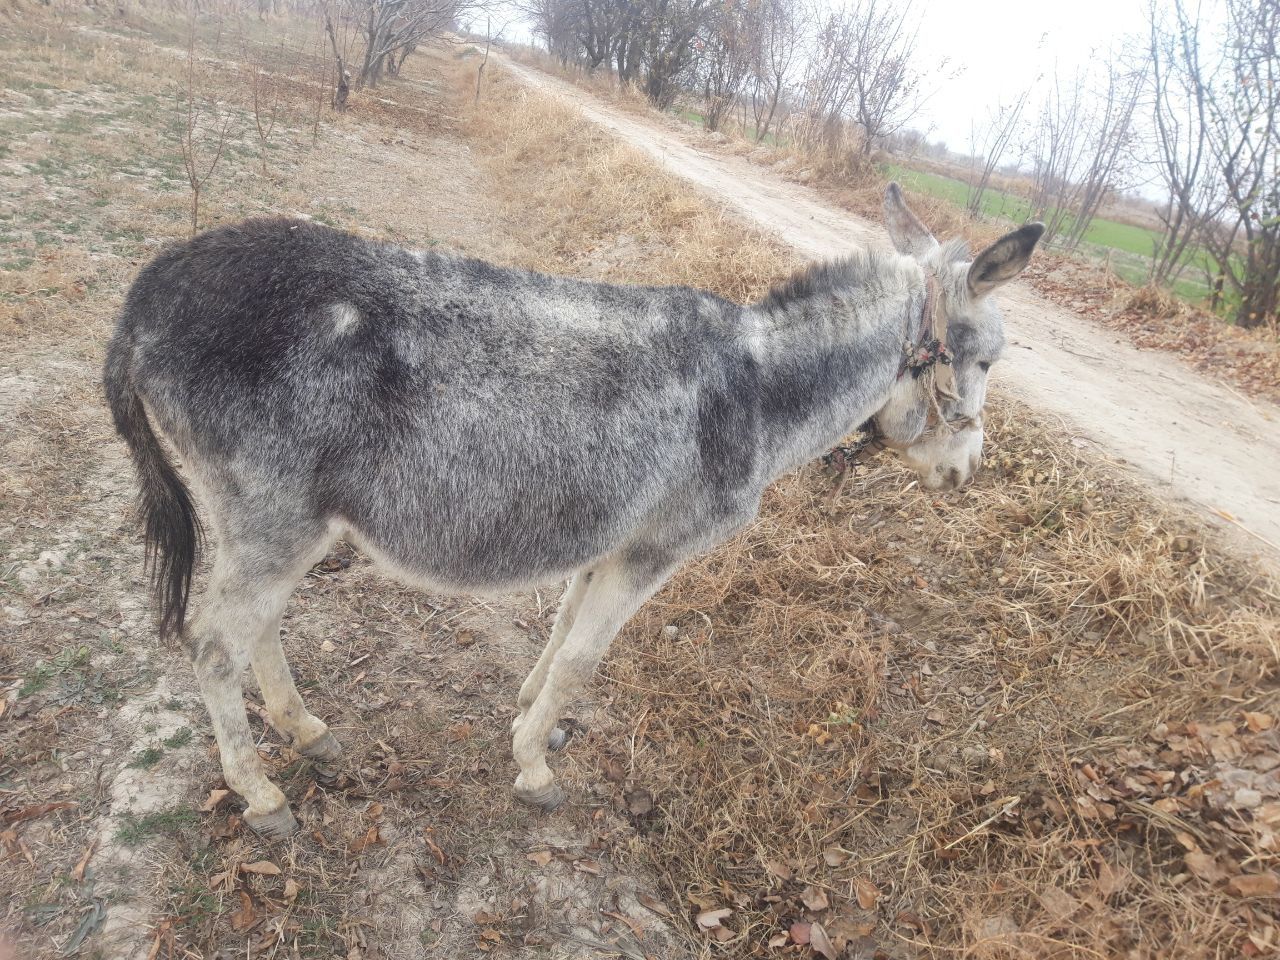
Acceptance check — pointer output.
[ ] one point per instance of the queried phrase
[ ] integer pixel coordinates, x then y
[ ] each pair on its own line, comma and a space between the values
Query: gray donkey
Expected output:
482, 430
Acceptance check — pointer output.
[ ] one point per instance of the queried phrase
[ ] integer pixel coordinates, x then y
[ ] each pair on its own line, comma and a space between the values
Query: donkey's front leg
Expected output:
236, 609
533, 684
614, 592
289, 715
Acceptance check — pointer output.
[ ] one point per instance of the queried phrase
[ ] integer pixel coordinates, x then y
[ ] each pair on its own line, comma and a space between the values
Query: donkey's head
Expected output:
934, 415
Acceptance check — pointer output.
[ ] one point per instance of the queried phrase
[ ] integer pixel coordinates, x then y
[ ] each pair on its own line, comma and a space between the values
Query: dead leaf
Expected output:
709, 919
215, 797
778, 869
1112, 879
540, 857
34, 811
374, 811
290, 890
815, 898
1058, 903
587, 866
867, 892
654, 904
1205, 866
246, 916
800, 933
640, 802
264, 867
433, 846
227, 878
820, 943
778, 940
78, 873
1257, 722
1255, 885
835, 857
360, 844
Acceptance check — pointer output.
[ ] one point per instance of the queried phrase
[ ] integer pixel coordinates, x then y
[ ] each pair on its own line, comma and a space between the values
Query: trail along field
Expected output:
1035, 718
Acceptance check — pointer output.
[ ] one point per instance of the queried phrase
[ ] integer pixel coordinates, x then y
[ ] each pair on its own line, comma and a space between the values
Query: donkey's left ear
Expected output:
909, 235
1003, 260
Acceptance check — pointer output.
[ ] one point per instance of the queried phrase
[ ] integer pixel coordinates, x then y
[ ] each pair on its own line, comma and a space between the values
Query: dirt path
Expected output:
1191, 439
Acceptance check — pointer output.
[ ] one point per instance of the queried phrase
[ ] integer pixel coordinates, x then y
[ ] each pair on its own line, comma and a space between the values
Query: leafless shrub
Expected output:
205, 125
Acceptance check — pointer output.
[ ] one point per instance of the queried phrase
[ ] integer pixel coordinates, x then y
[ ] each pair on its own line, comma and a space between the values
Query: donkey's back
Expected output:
475, 427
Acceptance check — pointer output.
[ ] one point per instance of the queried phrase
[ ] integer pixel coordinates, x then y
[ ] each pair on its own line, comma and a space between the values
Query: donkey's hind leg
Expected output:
248, 589
532, 685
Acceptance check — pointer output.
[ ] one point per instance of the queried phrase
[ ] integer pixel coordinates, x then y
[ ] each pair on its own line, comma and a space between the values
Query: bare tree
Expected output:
991, 146
1109, 137
1244, 136
776, 42
724, 63
860, 70
393, 28
1180, 135
205, 125
886, 85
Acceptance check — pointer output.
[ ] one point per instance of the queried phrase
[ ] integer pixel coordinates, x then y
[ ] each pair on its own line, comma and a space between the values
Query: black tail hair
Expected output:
173, 531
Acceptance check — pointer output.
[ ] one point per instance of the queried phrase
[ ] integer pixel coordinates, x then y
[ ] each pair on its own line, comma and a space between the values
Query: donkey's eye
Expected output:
984, 365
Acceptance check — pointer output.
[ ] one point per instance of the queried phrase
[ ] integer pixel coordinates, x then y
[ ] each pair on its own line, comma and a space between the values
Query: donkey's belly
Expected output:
496, 548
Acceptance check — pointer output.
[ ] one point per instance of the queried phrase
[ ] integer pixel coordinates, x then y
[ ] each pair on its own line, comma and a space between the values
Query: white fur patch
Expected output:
345, 318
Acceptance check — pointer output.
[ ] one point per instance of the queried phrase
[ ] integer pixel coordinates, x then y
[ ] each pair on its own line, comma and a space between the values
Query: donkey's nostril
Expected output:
954, 479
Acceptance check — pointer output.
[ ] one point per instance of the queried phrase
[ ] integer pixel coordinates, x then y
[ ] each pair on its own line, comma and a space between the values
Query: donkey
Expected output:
482, 430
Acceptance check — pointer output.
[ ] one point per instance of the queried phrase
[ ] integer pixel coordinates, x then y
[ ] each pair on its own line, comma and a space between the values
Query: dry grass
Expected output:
589, 205
979, 724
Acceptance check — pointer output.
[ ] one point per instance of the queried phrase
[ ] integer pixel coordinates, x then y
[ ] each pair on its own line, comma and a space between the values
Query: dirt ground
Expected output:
1032, 719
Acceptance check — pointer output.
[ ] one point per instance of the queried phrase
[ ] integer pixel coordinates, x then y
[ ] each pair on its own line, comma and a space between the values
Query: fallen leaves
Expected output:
711, 921
815, 899
866, 892
33, 812
262, 867
1255, 885
820, 943
213, 801
77, 874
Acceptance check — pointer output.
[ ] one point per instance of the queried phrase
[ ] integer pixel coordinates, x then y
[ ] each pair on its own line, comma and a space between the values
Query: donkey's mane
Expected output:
827, 277
862, 266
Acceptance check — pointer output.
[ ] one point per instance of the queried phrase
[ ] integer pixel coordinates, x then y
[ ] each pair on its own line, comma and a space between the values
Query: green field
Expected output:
1130, 247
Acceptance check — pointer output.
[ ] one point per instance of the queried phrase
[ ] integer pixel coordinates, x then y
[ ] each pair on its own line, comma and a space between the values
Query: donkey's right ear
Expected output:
909, 235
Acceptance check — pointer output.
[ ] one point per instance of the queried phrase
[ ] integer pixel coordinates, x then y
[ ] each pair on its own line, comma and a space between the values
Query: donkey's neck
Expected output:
827, 360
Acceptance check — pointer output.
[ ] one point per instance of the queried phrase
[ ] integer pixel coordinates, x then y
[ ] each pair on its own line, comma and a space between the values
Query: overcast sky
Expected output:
999, 47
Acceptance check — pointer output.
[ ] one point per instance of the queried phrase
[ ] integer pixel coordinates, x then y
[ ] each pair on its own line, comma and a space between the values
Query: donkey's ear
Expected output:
1003, 260
909, 235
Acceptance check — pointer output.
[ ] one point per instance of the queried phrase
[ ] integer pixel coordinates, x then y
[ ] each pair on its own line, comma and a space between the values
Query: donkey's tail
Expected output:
172, 527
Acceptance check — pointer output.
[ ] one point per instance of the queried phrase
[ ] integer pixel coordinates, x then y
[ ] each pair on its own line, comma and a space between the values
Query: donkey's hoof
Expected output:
273, 825
547, 799
558, 739
325, 749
